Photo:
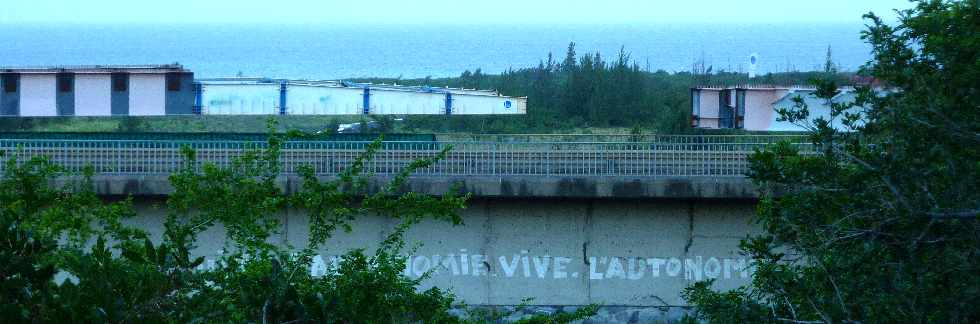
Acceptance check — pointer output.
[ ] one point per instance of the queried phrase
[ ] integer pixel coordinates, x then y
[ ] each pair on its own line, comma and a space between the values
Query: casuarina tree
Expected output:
877, 220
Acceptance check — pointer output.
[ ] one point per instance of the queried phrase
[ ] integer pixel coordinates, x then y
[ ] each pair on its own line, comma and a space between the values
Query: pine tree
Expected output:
829, 66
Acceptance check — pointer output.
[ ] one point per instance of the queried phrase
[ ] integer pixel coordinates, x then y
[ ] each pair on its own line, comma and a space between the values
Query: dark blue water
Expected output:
328, 52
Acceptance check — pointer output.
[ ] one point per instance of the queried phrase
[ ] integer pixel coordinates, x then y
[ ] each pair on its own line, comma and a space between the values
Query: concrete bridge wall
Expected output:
559, 251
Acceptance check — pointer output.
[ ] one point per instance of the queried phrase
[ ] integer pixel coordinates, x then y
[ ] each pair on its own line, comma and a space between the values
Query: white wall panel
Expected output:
709, 103
320, 100
37, 95
407, 103
240, 99
305, 99
92, 95
486, 105
147, 95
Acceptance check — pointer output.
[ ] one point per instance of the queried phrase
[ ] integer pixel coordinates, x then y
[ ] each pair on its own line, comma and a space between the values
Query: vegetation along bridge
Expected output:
549, 165
649, 156
627, 222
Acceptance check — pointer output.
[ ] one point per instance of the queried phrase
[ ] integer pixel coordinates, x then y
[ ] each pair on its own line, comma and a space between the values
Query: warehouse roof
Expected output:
162, 68
347, 84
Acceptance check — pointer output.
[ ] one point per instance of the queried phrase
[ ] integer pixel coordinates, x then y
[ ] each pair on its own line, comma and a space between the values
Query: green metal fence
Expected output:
260, 137
667, 157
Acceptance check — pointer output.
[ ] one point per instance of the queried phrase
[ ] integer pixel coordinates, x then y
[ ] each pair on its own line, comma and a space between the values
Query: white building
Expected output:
754, 108
151, 90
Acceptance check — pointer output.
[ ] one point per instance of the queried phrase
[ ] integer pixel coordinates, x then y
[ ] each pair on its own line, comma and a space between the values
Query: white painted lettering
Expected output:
509, 268
674, 267
593, 274
541, 265
742, 268
449, 263
479, 267
420, 268
655, 264
712, 268
692, 268
636, 268
728, 268
318, 267
526, 264
615, 269
560, 263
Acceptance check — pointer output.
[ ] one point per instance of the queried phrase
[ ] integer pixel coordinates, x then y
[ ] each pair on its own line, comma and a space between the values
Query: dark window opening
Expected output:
65, 83
119, 82
9, 83
173, 83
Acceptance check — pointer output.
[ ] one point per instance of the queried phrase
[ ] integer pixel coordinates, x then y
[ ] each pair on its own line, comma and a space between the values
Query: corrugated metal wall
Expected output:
488, 105
240, 99
318, 100
263, 97
408, 103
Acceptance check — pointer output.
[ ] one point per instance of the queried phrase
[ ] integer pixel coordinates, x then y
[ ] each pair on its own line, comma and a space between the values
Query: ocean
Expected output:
415, 51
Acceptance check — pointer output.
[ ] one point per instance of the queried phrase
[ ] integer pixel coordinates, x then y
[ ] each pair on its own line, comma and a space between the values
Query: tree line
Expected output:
591, 91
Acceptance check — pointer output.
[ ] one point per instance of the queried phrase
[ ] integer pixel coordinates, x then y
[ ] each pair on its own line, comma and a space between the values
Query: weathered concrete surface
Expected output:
560, 252
507, 187
604, 315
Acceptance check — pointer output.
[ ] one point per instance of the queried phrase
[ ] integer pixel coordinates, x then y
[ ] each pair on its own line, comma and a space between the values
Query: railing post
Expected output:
493, 159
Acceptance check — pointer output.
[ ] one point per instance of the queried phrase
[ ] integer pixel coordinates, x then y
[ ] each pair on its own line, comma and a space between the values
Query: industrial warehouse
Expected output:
163, 90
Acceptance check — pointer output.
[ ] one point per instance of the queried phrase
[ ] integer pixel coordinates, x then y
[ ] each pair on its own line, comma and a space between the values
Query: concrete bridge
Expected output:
624, 224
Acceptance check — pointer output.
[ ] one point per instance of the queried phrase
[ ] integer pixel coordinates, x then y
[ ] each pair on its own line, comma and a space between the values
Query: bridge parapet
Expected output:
681, 167
690, 157
491, 187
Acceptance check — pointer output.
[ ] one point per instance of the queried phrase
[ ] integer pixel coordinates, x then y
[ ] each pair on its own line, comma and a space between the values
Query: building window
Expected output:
120, 82
65, 82
173, 82
10, 83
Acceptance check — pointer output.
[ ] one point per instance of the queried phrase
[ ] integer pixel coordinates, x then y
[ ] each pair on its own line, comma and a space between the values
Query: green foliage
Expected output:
734, 306
26, 279
109, 272
582, 92
562, 318
587, 91
879, 222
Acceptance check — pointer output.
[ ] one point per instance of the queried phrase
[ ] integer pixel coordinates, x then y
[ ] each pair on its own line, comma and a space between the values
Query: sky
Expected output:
442, 11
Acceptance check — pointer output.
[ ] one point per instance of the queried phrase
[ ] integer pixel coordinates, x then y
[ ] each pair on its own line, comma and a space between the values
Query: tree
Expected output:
570, 58
118, 274
878, 223
829, 66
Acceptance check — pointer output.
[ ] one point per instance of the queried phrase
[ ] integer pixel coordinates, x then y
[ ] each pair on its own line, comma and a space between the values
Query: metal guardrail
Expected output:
707, 158
631, 138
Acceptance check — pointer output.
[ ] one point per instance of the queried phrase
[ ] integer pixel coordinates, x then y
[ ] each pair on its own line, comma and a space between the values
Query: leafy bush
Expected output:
115, 273
881, 225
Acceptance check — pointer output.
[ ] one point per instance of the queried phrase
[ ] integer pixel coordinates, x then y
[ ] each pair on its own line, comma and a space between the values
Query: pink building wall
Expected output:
759, 112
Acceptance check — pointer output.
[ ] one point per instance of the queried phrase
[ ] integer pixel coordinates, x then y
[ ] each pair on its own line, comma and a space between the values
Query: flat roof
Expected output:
351, 85
161, 68
753, 87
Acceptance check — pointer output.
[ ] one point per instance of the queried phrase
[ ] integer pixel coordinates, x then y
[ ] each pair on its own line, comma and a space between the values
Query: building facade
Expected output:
755, 108
151, 90
256, 96
163, 90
